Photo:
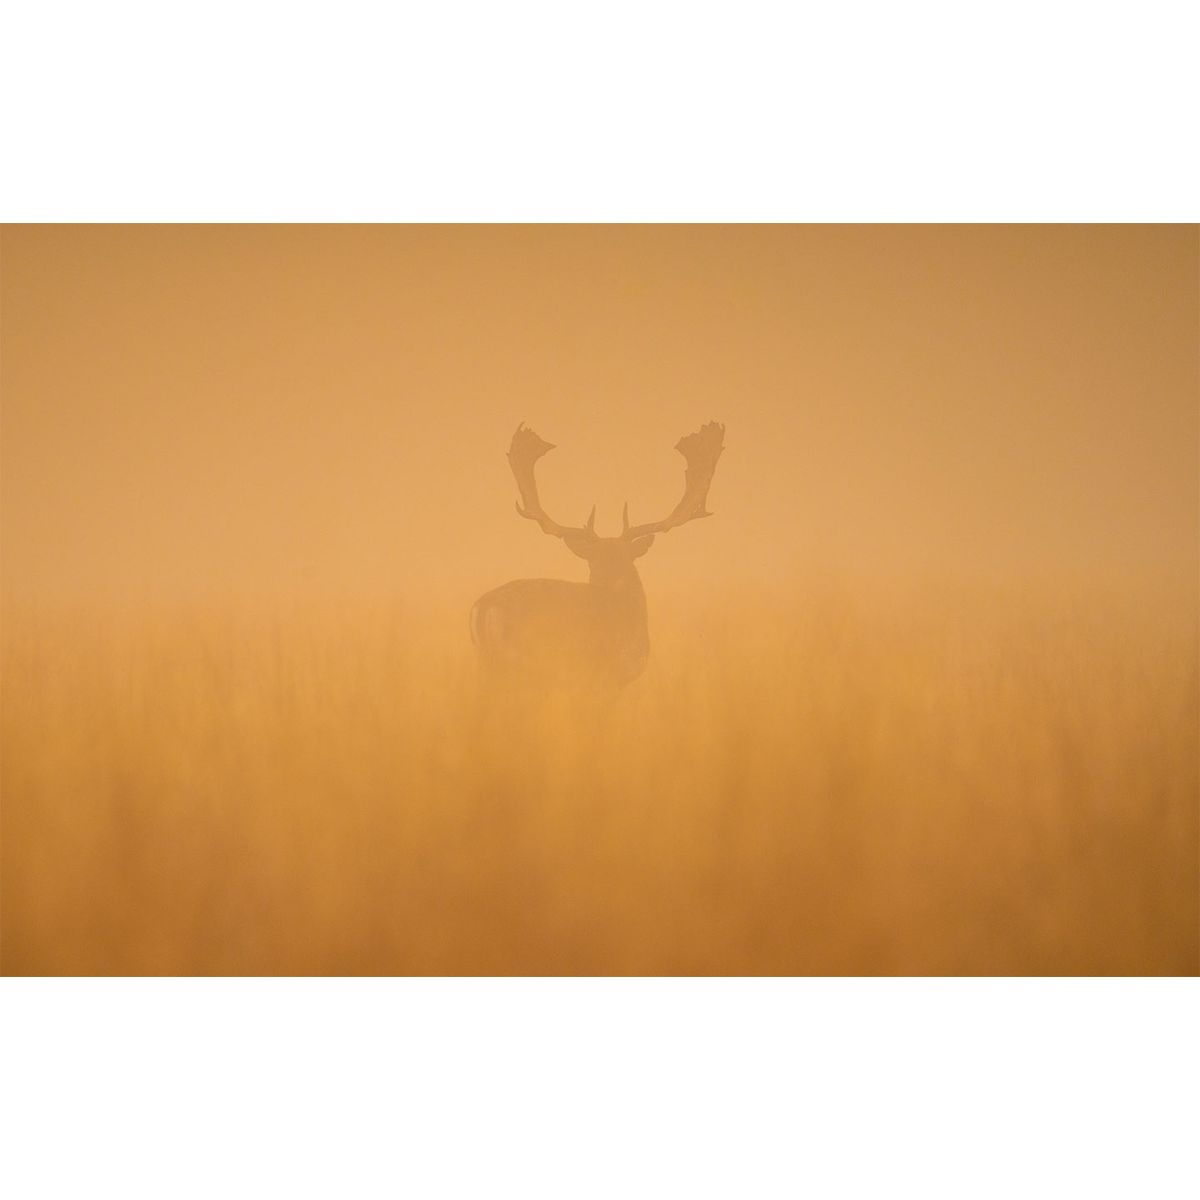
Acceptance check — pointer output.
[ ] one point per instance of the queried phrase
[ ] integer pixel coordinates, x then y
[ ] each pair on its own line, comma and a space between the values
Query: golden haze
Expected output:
923, 693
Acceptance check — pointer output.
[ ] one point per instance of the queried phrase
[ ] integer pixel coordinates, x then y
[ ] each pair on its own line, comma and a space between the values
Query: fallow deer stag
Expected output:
551, 632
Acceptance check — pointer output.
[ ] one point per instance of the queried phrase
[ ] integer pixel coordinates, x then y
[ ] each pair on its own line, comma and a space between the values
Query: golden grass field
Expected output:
968, 783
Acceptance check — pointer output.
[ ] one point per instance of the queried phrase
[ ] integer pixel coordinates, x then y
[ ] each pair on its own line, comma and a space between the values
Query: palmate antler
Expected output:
523, 454
701, 451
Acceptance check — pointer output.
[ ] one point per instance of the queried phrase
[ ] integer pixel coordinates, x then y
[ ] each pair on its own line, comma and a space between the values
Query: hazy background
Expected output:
280, 411
923, 695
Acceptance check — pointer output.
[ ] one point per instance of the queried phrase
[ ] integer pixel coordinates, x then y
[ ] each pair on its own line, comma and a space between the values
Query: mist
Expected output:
195, 413
922, 694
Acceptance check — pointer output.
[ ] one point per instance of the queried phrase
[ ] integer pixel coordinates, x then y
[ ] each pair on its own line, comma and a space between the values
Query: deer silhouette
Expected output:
553, 632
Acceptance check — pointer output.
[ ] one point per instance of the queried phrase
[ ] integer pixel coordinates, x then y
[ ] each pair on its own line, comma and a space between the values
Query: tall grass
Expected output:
961, 783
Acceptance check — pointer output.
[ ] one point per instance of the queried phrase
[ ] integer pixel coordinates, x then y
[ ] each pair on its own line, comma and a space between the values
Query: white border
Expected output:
600, 1088
621, 112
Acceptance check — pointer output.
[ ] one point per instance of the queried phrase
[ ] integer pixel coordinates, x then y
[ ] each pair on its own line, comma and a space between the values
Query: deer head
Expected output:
609, 556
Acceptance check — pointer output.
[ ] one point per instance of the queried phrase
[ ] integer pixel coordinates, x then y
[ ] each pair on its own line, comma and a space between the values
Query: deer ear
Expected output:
642, 544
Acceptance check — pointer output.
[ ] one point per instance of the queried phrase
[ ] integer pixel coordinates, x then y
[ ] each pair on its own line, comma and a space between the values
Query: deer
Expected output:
552, 632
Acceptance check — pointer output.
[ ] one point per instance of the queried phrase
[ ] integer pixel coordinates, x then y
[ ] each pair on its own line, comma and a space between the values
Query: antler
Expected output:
701, 450
523, 454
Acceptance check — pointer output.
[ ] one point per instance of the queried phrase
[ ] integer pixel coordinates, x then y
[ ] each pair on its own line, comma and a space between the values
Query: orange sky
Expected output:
291, 411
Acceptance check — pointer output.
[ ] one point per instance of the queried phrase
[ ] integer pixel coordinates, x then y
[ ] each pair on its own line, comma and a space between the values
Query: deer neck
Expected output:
622, 584
621, 610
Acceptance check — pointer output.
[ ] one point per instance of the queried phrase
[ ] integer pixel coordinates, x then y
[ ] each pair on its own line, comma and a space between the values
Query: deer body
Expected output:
551, 632
554, 631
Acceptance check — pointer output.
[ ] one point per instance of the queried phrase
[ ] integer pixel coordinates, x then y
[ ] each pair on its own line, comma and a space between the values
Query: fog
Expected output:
922, 695
215, 412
